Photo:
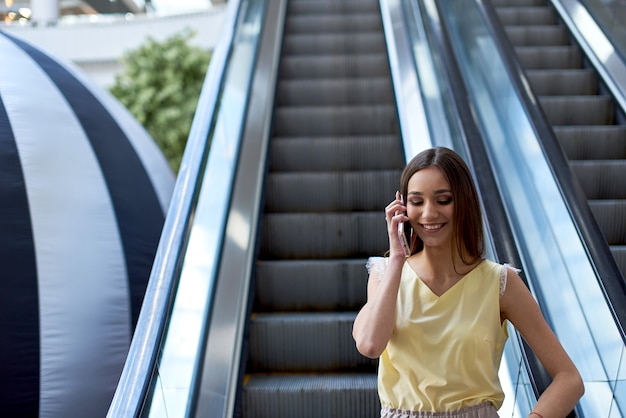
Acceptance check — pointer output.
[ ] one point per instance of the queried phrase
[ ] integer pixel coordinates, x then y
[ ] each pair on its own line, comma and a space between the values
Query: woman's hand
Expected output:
395, 216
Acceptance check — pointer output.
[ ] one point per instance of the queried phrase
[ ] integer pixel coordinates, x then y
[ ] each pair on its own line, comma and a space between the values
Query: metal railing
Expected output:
203, 187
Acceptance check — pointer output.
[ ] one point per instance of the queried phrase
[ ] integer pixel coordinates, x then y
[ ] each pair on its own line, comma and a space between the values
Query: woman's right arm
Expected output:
375, 322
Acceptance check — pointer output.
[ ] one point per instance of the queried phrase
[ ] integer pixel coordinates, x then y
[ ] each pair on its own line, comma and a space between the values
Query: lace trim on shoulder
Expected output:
503, 272
379, 264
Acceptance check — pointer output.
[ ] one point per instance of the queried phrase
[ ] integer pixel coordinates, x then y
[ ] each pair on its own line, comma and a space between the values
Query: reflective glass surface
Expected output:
611, 16
183, 346
555, 261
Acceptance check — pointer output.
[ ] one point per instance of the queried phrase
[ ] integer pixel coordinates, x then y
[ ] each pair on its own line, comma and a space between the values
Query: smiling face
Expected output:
432, 177
430, 207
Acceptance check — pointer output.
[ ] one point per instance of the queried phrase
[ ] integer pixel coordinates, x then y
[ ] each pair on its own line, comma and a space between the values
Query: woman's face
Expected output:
430, 207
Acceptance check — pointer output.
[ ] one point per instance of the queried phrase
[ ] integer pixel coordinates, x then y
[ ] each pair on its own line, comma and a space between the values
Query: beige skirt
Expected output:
484, 410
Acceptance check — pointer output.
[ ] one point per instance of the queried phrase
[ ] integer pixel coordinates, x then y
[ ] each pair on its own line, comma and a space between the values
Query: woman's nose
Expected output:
429, 210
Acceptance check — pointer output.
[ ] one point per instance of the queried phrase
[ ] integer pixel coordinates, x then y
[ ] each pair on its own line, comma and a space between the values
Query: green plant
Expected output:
160, 86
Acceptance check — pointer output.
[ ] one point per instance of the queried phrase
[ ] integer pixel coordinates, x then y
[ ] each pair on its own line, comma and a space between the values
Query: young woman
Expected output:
437, 318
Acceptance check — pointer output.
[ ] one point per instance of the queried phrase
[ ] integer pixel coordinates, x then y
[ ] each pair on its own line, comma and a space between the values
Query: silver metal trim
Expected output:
221, 368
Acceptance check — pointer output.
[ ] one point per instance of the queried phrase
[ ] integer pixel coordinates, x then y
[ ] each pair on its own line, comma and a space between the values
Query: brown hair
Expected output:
468, 223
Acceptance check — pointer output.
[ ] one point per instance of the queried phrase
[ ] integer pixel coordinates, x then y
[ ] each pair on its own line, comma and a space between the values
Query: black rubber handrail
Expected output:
608, 274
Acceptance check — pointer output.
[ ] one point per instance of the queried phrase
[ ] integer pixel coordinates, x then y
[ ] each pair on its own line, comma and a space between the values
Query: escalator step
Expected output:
581, 82
549, 57
356, 22
611, 217
330, 191
601, 179
312, 285
578, 110
333, 43
333, 235
335, 92
313, 7
526, 15
593, 142
304, 342
518, 3
314, 396
334, 66
338, 120
335, 153
543, 35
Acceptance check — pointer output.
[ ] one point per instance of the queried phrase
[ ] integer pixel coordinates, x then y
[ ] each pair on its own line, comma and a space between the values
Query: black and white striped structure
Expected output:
83, 195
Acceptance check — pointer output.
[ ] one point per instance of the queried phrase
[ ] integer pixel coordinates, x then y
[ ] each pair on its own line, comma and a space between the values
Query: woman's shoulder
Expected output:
489, 264
499, 271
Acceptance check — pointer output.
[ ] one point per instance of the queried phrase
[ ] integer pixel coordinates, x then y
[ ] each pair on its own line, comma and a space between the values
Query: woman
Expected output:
437, 318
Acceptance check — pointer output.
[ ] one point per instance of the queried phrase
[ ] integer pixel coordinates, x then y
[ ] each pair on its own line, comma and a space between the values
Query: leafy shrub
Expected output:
161, 85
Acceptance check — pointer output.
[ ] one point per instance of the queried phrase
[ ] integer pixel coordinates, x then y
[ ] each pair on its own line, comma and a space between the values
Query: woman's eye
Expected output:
445, 201
415, 202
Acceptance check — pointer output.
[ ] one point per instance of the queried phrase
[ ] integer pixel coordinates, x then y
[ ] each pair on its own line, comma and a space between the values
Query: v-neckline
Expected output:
431, 291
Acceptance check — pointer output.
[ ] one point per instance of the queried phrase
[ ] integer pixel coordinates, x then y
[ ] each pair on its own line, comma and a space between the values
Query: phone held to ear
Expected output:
402, 236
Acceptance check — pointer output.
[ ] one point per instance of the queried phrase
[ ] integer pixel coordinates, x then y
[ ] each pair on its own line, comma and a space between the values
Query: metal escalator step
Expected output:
549, 57
334, 66
578, 110
336, 120
526, 15
619, 253
575, 82
517, 3
342, 191
300, 285
332, 235
611, 217
592, 142
357, 22
333, 43
335, 153
332, 6
304, 342
308, 396
335, 92
601, 179
544, 35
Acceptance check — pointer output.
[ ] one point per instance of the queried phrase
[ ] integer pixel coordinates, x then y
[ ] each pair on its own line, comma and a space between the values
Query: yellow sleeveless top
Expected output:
445, 351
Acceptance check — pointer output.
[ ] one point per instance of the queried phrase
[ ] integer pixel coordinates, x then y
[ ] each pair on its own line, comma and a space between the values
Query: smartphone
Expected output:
402, 236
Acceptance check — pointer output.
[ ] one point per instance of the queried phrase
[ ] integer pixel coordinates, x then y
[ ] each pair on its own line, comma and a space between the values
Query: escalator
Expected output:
589, 126
282, 345
334, 163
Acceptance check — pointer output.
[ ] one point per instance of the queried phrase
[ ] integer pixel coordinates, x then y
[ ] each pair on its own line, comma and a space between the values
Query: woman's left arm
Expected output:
520, 308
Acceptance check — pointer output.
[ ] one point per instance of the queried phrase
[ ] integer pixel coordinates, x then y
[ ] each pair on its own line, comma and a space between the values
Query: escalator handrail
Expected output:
607, 272
135, 380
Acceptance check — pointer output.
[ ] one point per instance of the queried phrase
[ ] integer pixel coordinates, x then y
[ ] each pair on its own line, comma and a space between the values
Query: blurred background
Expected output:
108, 40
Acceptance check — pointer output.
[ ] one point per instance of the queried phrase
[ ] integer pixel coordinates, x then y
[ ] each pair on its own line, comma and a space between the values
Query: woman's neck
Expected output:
437, 262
